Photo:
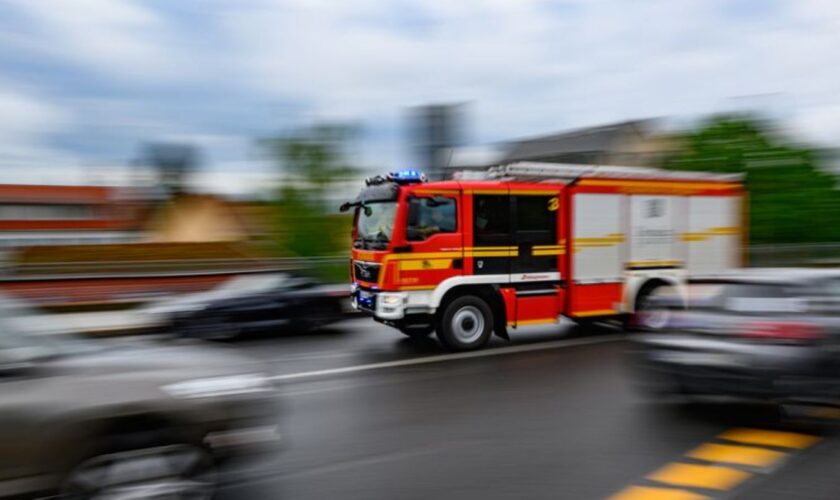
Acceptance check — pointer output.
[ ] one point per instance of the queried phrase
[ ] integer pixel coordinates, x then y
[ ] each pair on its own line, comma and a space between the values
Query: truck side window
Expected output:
432, 216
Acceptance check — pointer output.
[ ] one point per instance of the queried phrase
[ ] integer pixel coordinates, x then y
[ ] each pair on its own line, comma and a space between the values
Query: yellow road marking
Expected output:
770, 438
648, 493
733, 454
711, 477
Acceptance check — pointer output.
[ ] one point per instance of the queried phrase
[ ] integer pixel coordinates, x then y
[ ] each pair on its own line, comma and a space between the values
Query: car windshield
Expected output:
374, 224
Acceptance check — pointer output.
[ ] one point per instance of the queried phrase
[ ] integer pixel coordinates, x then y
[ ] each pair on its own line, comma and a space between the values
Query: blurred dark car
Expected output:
757, 334
252, 303
127, 419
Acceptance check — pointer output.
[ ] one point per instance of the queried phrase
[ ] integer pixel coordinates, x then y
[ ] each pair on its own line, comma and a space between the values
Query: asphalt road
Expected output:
553, 414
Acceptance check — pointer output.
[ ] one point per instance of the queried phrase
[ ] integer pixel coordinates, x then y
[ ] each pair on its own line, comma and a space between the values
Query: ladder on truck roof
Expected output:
561, 172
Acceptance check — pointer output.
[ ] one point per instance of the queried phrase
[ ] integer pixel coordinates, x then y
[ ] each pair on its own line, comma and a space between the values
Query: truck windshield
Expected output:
374, 225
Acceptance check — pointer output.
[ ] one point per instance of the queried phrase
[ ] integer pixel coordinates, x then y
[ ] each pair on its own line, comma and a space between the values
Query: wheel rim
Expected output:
178, 472
653, 319
468, 324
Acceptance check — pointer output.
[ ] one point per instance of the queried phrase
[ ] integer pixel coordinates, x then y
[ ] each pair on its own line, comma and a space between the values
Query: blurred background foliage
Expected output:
791, 199
313, 163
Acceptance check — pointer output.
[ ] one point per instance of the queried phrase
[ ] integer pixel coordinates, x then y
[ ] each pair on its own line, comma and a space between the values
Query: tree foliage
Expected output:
311, 161
791, 201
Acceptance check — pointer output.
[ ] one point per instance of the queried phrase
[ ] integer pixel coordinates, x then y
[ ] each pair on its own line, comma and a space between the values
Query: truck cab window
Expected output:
429, 216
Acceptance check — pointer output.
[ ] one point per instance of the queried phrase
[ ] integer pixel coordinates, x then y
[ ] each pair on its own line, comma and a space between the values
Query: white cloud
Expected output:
25, 155
525, 67
119, 38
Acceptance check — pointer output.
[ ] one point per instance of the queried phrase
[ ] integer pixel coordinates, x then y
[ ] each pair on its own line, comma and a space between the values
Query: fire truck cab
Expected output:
528, 243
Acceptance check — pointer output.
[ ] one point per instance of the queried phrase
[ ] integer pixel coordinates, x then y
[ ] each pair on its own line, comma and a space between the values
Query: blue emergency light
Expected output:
407, 176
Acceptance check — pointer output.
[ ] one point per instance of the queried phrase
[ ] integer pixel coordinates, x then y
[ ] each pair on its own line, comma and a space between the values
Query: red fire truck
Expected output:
527, 243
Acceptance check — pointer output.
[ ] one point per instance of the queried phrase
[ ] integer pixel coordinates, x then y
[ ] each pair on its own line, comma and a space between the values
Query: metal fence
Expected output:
804, 254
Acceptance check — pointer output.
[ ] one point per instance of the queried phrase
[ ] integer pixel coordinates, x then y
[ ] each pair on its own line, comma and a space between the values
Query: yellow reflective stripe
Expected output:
650, 493
725, 230
712, 477
734, 454
549, 192
528, 322
595, 312
659, 184
538, 253
422, 255
770, 438
417, 287
491, 248
502, 253
603, 239
430, 264
710, 233
609, 240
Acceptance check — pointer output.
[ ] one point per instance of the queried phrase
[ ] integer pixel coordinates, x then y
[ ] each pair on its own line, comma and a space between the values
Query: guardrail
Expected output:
819, 254
164, 267
799, 254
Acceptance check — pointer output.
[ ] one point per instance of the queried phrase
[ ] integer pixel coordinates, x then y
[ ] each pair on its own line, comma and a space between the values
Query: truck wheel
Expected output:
466, 324
647, 317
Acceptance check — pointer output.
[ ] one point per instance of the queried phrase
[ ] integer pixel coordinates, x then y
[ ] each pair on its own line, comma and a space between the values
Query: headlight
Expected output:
391, 300
219, 386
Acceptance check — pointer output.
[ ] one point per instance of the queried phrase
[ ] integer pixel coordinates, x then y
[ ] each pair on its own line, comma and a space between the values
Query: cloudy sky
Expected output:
83, 82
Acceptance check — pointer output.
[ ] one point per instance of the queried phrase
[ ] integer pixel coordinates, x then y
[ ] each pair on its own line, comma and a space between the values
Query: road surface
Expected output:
553, 414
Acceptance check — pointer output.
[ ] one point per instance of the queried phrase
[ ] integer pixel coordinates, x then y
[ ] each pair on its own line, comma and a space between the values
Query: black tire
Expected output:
211, 328
465, 324
642, 318
417, 332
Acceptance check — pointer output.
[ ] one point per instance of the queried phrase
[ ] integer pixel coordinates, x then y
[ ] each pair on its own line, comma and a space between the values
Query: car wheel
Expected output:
212, 328
317, 317
466, 324
170, 472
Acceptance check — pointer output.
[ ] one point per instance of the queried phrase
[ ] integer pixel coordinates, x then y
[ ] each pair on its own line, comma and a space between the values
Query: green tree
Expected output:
311, 161
791, 201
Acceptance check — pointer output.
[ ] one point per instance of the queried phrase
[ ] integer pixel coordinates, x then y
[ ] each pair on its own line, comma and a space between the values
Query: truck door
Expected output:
434, 233
492, 239
535, 268
535, 233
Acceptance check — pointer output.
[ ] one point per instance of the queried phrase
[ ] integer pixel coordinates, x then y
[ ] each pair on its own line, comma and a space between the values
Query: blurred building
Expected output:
435, 133
33, 215
629, 143
207, 218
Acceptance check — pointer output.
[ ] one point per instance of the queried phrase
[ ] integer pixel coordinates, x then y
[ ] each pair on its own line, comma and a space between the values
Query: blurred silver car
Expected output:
127, 419
759, 334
